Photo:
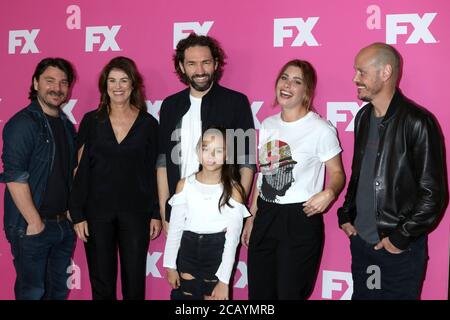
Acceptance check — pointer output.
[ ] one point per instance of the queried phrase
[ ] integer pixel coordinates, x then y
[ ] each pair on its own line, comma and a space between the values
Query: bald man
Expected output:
397, 188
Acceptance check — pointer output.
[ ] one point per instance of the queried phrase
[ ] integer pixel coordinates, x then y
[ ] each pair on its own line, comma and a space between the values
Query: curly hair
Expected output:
194, 40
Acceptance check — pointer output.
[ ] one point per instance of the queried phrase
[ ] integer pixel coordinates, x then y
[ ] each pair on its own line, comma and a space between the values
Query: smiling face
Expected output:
119, 87
291, 88
368, 75
199, 67
52, 88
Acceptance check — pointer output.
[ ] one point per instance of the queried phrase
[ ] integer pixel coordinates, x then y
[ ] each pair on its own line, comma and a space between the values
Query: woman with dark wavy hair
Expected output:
113, 202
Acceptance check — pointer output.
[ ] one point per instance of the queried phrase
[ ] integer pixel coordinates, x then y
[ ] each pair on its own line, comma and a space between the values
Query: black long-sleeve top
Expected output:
113, 177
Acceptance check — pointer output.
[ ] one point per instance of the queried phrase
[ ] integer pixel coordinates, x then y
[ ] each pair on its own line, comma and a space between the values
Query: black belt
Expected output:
59, 217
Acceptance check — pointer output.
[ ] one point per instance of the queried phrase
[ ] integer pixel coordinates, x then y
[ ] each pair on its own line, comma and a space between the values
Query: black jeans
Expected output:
284, 252
129, 234
200, 256
400, 275
41, 261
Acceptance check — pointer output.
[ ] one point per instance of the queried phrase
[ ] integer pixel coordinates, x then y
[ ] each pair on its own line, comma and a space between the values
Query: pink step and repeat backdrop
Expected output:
258, 37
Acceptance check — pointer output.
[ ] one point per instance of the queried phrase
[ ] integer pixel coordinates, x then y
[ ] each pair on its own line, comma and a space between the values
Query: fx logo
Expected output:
154, 108
67, 108
337, 112
420, 27
23, 38
399, 24
182, 29
154, 257
93, 36
283, 28
243, 280
256, 106
337, 281
152, 268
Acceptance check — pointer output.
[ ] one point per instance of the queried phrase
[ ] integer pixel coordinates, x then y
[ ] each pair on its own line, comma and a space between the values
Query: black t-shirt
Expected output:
55, 200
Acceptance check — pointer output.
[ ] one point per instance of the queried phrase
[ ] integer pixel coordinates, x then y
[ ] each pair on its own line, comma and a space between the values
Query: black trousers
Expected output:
284, 252
126, 233
200, 255
381, 275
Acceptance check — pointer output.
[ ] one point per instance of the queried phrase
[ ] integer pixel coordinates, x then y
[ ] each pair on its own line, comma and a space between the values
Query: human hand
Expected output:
247, 231
319, 202
174, 278
349, 229
35, 228
82, 230
155, 228
220, 292
387, 244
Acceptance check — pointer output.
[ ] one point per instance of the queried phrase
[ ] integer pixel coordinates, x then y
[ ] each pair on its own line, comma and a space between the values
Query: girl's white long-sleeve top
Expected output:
196, 209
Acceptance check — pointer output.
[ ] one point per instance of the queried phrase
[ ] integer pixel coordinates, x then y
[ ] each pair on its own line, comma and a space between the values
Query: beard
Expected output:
370, 89
367, 94
49, 103
203, 86
364, 98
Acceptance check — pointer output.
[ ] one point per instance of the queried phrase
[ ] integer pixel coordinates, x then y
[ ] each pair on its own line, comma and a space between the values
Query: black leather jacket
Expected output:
409, 177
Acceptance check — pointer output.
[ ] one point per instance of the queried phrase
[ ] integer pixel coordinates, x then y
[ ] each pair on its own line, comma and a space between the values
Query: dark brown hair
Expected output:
194, 40
59, 63
128, 66
228, 169
309, 79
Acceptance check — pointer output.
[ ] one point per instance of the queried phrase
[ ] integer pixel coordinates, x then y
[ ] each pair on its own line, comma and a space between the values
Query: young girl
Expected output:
205, 225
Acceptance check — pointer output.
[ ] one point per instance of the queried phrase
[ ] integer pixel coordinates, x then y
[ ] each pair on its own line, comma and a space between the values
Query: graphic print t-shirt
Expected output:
292, 157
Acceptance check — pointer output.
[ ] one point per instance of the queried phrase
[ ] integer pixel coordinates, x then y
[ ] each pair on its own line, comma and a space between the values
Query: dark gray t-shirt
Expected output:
365, 222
